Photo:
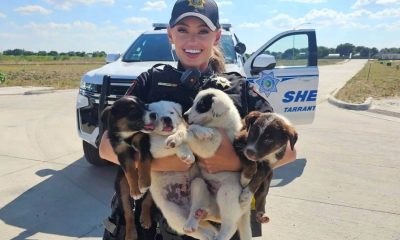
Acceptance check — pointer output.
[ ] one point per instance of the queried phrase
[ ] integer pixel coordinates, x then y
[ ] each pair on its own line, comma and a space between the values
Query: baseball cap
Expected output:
206, 10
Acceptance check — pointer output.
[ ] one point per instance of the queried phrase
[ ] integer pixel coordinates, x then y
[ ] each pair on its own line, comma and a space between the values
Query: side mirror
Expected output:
112, 57
240, 48
263, 62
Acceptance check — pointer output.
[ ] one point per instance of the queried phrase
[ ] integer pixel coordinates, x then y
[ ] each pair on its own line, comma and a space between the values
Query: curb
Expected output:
351, 106
39, 91
6, 91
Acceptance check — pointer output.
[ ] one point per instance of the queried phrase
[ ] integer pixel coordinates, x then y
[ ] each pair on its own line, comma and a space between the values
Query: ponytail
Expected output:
217, 60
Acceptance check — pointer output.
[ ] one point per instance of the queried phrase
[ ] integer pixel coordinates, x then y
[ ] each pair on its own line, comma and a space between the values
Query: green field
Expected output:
377, 79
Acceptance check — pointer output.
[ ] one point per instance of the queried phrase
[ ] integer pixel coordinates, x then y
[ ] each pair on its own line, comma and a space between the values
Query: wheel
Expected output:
92, 155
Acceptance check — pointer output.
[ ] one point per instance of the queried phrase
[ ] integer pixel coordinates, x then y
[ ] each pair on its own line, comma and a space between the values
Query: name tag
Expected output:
167, 84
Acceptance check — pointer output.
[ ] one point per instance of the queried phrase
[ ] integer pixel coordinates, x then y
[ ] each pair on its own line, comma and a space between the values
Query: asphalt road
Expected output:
344, 185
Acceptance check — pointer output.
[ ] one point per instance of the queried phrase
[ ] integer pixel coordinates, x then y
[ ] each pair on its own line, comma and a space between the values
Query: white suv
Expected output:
284, 70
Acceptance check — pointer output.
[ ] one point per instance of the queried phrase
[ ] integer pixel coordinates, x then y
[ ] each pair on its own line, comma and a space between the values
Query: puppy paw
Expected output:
185, 154
136, 195
262, 218
202, 133
145, 222
245, 197
188, 159
174, 140
143, 189
191, 225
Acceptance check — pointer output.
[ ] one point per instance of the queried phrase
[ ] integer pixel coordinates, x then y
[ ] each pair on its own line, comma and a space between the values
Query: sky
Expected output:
112, 25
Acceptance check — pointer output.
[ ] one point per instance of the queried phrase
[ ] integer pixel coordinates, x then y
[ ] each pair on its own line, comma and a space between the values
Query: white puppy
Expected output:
164, 118
213, 109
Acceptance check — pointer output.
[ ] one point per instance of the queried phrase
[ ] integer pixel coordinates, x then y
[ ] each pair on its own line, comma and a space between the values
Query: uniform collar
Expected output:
208, 72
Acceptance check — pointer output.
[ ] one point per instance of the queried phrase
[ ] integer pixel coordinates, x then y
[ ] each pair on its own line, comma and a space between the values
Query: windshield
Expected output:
156, 47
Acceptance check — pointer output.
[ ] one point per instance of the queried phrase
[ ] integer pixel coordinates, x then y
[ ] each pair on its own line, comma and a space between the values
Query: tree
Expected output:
323, 52
42, 53
53, 53
345, 49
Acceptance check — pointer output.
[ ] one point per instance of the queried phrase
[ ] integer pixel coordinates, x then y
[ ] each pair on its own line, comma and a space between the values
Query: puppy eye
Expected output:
172, 113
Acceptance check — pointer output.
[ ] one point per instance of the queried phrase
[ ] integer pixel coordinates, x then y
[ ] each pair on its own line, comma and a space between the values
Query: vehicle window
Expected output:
228, 49
156, 47
290, 50
149, 47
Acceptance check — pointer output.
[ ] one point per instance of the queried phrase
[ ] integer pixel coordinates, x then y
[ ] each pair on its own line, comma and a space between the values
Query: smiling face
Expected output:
194, 42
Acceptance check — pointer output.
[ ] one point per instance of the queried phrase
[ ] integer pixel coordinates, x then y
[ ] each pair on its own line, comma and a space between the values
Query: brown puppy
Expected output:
261, 143
124, 122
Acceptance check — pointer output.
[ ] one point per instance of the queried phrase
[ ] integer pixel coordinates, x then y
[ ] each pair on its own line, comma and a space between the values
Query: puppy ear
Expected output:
250, 119
292, 134
105, 116
218, 107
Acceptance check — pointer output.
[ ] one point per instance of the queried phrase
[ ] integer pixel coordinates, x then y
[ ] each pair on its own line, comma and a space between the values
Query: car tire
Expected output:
92, 155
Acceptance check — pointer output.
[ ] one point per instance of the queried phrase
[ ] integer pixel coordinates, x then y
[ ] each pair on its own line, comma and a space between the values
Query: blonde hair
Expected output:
217, 60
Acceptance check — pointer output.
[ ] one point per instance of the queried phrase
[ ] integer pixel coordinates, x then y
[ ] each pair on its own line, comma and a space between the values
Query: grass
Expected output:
58, 75
376, 79
5, 59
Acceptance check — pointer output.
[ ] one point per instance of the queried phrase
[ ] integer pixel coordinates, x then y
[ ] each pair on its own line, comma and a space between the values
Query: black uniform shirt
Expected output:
162, 82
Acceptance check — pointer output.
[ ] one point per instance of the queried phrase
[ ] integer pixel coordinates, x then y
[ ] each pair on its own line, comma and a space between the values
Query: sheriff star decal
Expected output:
196, 3
221, 82
265, 84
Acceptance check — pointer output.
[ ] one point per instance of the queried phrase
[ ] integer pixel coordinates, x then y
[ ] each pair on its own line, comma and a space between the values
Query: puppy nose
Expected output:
250, 153
186, 117
153, 116
167, 120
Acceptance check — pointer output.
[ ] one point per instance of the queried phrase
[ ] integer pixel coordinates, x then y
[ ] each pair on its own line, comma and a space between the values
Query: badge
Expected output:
221, 82
196, 3
265, 84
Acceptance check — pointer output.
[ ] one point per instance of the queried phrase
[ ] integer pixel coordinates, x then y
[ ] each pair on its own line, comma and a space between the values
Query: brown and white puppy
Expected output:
124, 122
261, 143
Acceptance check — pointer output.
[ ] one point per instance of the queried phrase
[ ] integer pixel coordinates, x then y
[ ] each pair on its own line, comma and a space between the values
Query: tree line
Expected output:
22, 52
345, 49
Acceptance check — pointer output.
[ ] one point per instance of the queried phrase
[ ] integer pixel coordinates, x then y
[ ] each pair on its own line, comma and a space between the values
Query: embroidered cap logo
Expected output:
196, 3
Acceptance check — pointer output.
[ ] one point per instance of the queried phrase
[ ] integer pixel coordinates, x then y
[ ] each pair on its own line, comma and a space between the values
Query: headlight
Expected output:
91, 87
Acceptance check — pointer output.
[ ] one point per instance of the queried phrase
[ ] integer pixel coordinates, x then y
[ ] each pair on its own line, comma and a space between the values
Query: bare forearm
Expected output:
161, 164
105, 149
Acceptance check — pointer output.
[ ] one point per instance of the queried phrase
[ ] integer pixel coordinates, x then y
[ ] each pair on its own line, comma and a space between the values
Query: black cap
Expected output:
206, 10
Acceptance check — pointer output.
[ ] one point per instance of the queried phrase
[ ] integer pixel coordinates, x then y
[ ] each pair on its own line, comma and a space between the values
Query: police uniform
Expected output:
164, 82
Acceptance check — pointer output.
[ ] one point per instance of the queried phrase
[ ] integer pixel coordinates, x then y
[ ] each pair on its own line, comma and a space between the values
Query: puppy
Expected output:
261, 143
165, 118
170, 190
124, 121
213, 110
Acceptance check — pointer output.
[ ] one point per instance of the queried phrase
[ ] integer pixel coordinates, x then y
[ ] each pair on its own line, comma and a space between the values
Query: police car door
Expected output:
285, 72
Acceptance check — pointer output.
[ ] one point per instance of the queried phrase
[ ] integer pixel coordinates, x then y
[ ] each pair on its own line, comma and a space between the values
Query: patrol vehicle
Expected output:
284, 71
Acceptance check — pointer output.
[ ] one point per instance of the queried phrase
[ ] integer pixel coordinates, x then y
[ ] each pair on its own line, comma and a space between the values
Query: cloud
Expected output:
362, 3
2, 15
156, 5
68, 4
225, 2
76, 25
388, 2
137, 20
31, 9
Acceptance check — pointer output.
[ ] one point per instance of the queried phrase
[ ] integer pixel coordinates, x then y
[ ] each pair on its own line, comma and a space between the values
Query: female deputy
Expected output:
195, 31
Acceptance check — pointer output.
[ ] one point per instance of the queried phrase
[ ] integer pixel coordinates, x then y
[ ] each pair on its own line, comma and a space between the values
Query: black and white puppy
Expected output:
261, 143
212, 110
